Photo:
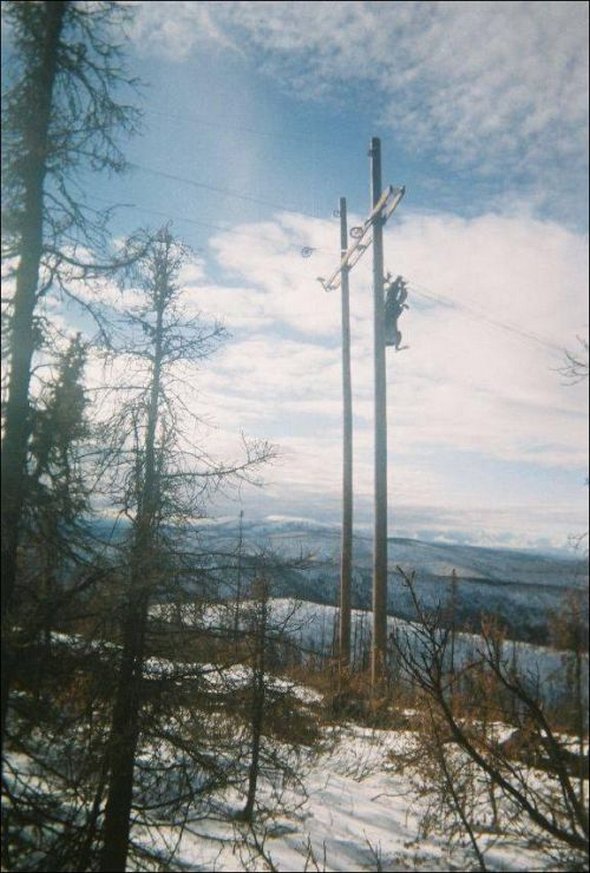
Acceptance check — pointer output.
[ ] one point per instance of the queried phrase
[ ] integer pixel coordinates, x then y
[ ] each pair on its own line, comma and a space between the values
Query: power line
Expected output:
481, 177
417, 288
239, 128
228, 192
302, 249
480, 316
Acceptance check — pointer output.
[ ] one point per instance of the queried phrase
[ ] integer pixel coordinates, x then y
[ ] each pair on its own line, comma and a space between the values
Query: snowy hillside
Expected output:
521, 587
355, 810
313, 627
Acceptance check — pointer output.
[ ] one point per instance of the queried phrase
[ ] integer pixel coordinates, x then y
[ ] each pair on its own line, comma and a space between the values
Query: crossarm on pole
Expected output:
364, 239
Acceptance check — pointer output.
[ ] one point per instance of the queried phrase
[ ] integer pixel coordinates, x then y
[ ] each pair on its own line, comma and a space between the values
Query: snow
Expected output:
355, 803
360, 813
356, 809
311, 626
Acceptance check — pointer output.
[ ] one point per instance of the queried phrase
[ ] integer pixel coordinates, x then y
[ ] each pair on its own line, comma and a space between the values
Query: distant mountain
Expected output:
302, 558
521, 587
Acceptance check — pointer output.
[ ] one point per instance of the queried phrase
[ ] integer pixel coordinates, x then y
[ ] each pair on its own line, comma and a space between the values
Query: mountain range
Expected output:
521, 587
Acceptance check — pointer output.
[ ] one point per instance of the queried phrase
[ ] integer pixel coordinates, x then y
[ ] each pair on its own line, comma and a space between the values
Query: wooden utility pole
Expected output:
239, 583
369, 233
380, 468
346, 554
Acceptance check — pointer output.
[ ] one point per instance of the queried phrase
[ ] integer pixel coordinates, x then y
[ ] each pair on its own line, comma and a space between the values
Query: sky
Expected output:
257, 119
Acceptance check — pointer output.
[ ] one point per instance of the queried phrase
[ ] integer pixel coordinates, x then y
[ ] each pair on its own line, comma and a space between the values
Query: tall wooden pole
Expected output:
370, 232
239, 582
346, 555
380, 469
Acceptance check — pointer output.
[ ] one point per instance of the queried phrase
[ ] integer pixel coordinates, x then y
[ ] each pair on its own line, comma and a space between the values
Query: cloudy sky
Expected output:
258, 118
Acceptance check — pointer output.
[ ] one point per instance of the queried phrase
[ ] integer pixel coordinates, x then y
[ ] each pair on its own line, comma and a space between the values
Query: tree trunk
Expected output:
123, 742
257, 722
258, 701
127, 707
22, 346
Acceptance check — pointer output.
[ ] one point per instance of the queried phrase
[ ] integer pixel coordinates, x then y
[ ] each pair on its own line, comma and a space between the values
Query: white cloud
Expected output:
465, 385
500, 87
173, 29
478, 417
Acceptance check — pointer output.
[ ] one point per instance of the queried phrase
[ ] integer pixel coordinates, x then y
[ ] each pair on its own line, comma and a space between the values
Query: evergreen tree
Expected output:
56, 495
51, 718
60, 119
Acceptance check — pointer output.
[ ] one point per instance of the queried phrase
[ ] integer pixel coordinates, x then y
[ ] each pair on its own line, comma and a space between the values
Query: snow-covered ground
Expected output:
312, 627
358, 812
349, 802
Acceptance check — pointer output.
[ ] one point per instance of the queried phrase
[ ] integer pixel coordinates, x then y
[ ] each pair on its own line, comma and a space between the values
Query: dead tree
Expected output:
554, 805
156, 483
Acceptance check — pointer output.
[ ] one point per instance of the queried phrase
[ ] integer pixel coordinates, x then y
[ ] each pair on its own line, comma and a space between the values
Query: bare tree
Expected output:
260, 629
160, 481
569, 633
575, 365
499, 690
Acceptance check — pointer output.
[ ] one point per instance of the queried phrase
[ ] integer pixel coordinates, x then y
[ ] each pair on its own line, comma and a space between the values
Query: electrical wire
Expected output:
239, 128
480, 316
228, 192
416, 288
302, 249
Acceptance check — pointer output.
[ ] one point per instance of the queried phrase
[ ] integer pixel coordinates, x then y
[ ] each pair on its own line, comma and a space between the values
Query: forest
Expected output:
160, 686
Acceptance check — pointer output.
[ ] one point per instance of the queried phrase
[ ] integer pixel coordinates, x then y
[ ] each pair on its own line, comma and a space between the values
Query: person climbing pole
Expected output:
396, 294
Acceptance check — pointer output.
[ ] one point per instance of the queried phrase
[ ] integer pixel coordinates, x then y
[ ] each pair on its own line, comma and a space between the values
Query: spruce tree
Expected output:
60, 120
